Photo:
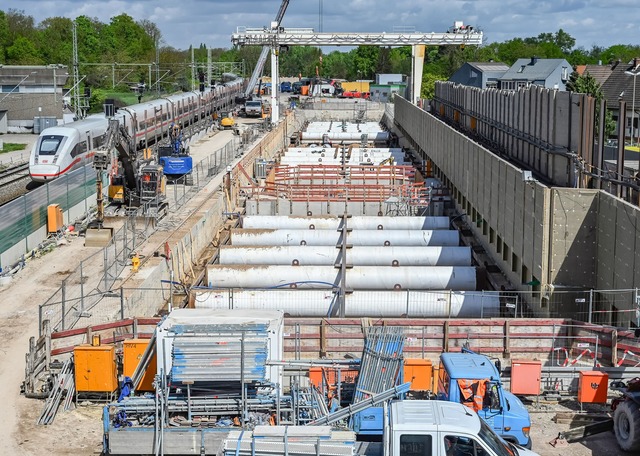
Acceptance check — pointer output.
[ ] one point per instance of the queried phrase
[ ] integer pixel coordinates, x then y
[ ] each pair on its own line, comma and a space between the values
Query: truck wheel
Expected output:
626, 424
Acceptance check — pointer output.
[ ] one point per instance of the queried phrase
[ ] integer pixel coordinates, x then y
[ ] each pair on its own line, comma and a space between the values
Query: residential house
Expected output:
483, 75
619, 87
549, 73
598, 72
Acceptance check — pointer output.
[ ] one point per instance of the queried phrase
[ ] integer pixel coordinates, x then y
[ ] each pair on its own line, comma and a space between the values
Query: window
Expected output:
443, 383
99, 141
415, 445
79, 149
49, 145
457, 445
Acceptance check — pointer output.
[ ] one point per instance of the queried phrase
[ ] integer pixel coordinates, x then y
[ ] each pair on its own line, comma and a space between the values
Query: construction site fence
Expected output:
23, 220
85, 295
82, 289
562, 345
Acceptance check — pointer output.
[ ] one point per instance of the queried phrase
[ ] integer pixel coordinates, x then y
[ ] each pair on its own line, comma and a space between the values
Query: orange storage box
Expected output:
319, 376
55, 218
132, 354
420, 373
593, 387
525, 377
95, 368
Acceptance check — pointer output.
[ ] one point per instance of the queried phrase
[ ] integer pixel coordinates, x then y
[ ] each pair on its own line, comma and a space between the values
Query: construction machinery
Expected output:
625, 421
175, 158
257, 70
97, 235
227, 121
134, 183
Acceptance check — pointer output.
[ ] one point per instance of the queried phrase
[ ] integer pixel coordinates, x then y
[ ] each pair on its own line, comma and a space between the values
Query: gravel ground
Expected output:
544, 429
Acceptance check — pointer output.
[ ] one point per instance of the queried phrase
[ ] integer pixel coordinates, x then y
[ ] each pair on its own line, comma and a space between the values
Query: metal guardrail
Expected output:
80, 294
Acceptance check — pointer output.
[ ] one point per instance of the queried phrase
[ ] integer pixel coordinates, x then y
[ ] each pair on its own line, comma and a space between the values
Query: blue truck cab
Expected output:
474, 380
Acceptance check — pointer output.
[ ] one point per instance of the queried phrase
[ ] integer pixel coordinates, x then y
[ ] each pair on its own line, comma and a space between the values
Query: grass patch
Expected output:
11, 147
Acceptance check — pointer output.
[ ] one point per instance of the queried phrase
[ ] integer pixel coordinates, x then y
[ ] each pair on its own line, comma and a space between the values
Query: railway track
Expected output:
13, 182
13, 174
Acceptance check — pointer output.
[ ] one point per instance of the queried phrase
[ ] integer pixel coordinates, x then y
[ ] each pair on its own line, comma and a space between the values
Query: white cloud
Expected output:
213, 21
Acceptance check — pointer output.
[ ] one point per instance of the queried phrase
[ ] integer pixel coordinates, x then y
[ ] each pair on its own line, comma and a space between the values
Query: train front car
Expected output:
60, 150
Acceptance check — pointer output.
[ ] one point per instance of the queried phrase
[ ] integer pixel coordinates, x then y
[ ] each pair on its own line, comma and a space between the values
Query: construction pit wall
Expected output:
187, 251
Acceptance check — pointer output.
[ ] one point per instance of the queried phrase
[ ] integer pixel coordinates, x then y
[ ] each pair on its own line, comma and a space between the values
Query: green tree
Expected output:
400, 59
23, 52
365, 61
585, 83
428, 89
4, 36
564, 41
55, 40
90, 46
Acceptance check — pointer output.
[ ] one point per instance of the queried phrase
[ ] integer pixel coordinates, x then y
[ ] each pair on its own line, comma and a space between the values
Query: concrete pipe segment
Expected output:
461, 278
357, 256
335, 136
246, 237
329, 222
375, 304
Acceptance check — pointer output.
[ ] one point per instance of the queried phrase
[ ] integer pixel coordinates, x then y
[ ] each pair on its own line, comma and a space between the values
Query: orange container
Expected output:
95, 368
593, 387
132, 354
55, 219
525, 377
419, 372
304, 90
317, 378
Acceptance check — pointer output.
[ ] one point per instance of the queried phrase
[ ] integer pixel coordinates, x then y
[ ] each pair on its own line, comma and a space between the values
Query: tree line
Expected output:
126, 41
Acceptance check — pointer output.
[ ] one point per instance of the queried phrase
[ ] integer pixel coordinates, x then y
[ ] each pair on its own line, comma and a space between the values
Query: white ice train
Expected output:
62, 149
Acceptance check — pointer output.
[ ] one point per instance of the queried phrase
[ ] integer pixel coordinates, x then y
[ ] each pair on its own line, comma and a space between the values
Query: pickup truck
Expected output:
442, 428
474, 380
412, 428
253, 108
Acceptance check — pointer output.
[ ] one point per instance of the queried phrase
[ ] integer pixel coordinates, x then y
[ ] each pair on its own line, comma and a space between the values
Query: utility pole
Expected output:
76, 76
193, 69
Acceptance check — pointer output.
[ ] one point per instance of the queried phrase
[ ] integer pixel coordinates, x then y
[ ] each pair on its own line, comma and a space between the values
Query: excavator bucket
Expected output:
98, 237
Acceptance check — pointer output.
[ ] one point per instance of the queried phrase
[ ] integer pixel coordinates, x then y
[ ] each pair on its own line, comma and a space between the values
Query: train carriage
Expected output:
59, 150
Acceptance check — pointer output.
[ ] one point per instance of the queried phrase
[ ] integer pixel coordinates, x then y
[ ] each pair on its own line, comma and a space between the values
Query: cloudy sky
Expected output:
186, 22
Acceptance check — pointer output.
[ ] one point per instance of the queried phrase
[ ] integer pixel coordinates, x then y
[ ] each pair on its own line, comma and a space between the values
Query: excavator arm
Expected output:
257, 70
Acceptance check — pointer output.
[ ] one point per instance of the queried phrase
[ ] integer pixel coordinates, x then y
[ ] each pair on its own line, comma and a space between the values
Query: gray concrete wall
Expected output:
570, 240
574, 221
618, 244
505, 213
538, 128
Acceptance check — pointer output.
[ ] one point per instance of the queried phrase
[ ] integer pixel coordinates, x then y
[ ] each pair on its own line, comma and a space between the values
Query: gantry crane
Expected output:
277, 36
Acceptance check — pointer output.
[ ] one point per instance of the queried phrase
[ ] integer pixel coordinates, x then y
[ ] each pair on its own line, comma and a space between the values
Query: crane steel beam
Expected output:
307, 37
276, 36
